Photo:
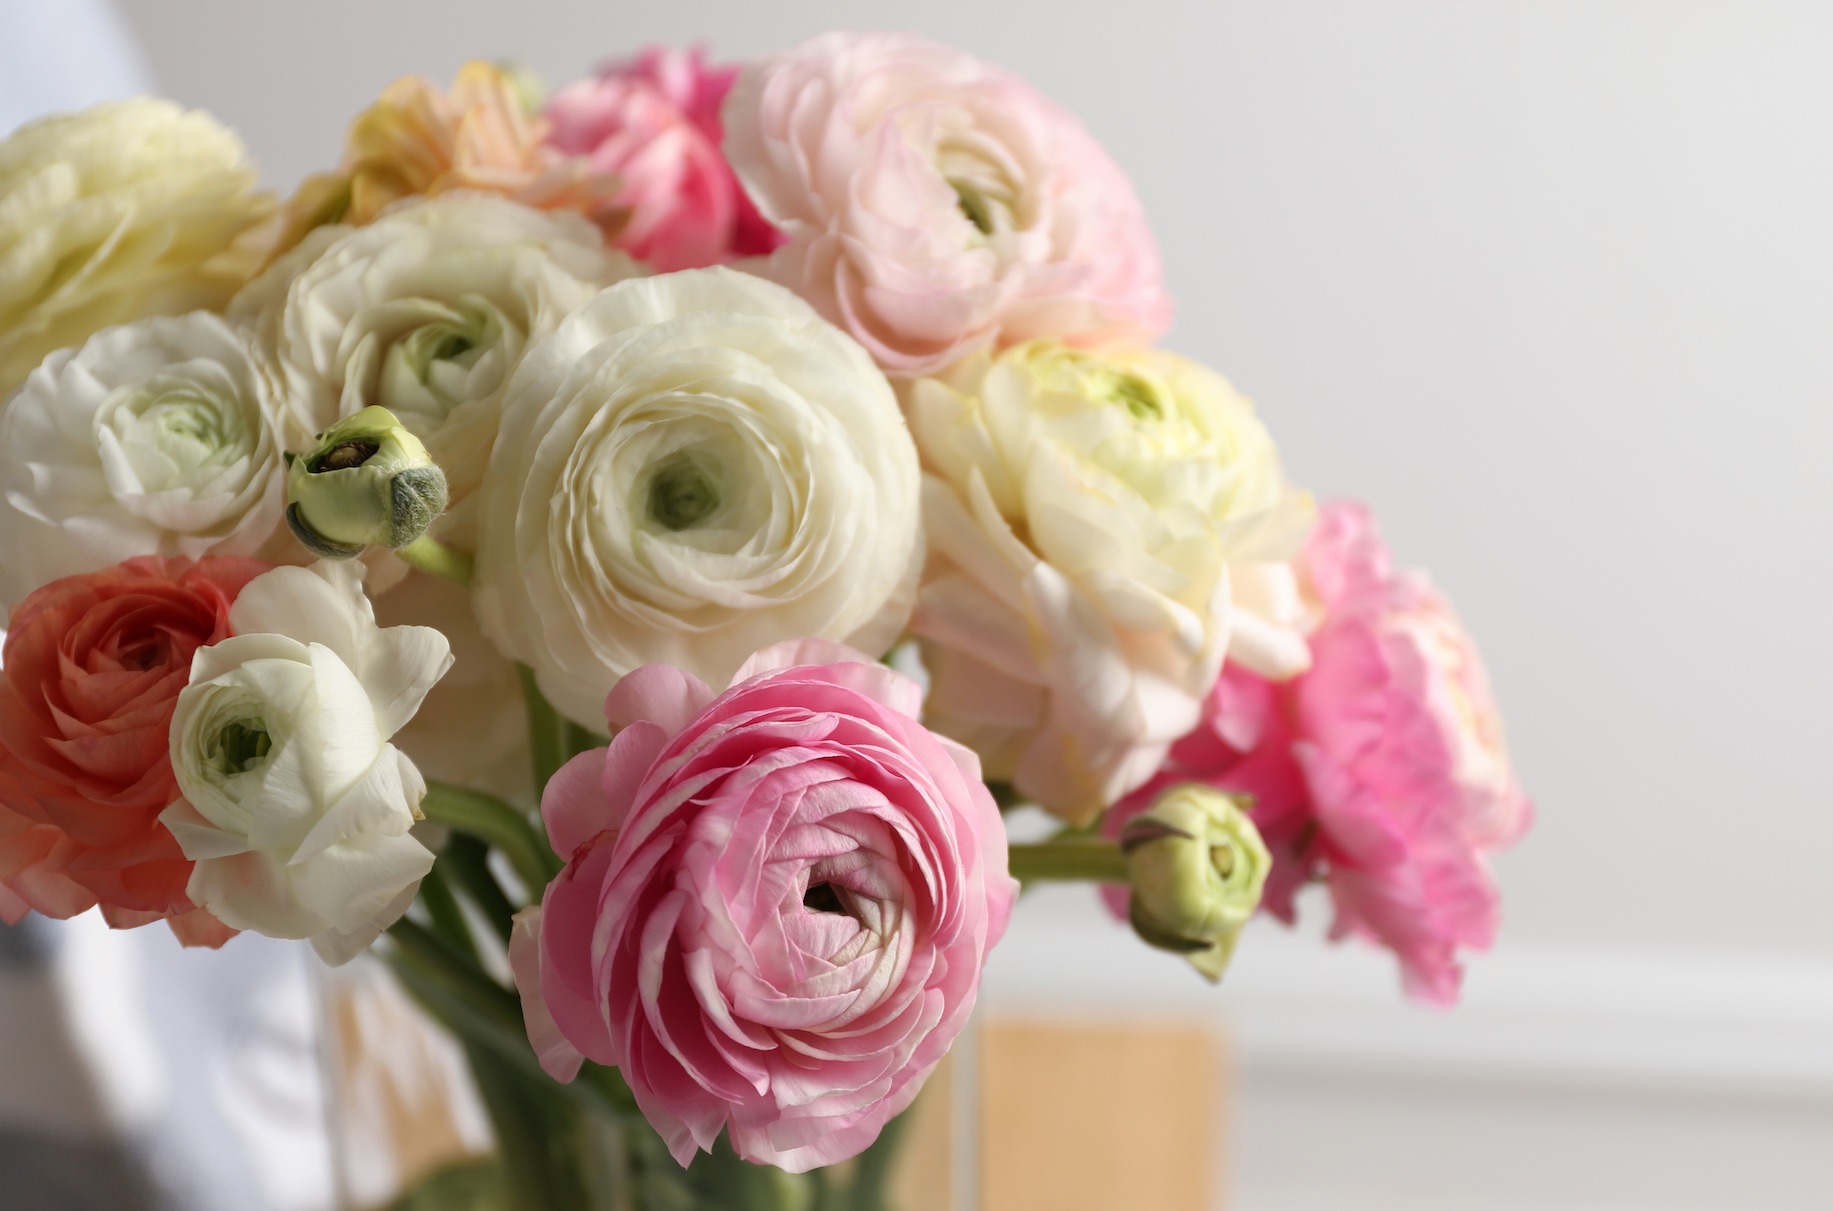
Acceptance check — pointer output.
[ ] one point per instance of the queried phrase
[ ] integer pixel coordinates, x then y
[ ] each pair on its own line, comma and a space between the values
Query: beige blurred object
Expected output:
406, 1106
1069, 1116
930, 1170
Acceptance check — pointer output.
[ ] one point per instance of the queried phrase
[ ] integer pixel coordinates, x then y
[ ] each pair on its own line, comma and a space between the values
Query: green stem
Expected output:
430, 555
873, 1168
1069, 860
495, 823
483, 1012
444, 911
467, 863
546, 730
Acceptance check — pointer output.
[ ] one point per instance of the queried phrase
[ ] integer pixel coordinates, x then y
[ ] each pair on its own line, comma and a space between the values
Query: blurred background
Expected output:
1546, 282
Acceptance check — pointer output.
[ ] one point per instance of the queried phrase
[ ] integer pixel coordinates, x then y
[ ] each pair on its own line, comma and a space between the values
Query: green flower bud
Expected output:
367, 482
1198, 867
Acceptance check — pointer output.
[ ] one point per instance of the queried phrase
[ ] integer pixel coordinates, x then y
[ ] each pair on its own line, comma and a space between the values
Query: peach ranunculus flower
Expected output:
418, 140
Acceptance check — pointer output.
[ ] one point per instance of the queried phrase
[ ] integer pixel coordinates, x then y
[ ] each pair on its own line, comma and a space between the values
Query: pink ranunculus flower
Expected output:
934, 204
92, 671
776, 904
1382, 771
654, 122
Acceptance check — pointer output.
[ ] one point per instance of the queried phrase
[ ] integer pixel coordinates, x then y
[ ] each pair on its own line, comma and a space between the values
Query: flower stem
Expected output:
487, 1015
430, 555
553, 739
494, 822
872, 1171
467, 863
1079, 859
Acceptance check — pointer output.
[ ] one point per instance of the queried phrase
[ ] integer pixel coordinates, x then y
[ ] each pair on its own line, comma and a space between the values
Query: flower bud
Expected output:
1198, 866
367, 482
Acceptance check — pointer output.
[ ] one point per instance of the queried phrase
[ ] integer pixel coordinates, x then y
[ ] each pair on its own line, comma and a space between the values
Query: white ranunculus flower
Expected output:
1104, 529
154, 438
296, 808
694, 467
121, 211
425, 312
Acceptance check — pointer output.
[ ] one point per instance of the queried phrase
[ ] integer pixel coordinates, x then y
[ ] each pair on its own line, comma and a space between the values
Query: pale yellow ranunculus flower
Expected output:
113, 214
1104, 529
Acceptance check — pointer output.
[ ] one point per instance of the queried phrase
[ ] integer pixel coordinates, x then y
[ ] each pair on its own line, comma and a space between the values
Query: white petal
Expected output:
401, 665
320, 604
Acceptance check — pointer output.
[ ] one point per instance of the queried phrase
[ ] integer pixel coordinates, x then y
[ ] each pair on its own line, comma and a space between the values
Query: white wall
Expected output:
1548, 283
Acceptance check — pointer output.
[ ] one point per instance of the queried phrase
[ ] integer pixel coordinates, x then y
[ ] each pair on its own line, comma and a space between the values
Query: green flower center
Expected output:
239, 746
984, 181
427, 370
174, 429
682, 492
1140, 398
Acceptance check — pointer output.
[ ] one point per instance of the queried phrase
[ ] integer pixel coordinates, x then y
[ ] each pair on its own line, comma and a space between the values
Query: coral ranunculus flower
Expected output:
93, 668
418, 140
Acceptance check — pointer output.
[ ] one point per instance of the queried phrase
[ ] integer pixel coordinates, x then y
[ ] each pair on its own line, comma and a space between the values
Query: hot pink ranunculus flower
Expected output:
934, 204
654, 121
776, 904
92, 669
1382, 771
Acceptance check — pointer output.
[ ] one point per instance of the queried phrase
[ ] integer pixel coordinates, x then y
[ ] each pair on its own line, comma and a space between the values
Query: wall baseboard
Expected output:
1716, 1025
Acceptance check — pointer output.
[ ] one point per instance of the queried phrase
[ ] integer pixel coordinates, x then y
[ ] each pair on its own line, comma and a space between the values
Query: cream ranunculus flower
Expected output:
472, 730
694, 467
1104, 529
425, 312
296, 808
118, 212
155, 438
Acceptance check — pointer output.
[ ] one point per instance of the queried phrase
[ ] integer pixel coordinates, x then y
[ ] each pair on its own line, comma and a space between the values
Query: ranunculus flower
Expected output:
472, 730
155, 438
1381, 772
934, 205
693, 467
654, 122
122, 211
419, 140
93, 667
425, 312
296, 808
776, 904
1103, 529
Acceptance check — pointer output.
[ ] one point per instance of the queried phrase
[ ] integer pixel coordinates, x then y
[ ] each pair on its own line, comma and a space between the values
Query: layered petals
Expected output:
934, 205
295, 806
1380, 772
653, 121
692, 467
93, 669
1104, 530
779, 928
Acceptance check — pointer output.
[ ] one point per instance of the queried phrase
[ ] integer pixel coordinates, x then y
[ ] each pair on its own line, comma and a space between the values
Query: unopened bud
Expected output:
1198, 867
367, 482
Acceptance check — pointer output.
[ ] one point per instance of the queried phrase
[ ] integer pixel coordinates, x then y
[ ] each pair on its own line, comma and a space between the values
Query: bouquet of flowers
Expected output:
619, 555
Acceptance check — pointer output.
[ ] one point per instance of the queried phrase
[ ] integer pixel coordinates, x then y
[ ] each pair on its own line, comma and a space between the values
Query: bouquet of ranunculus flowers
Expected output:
619, 554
